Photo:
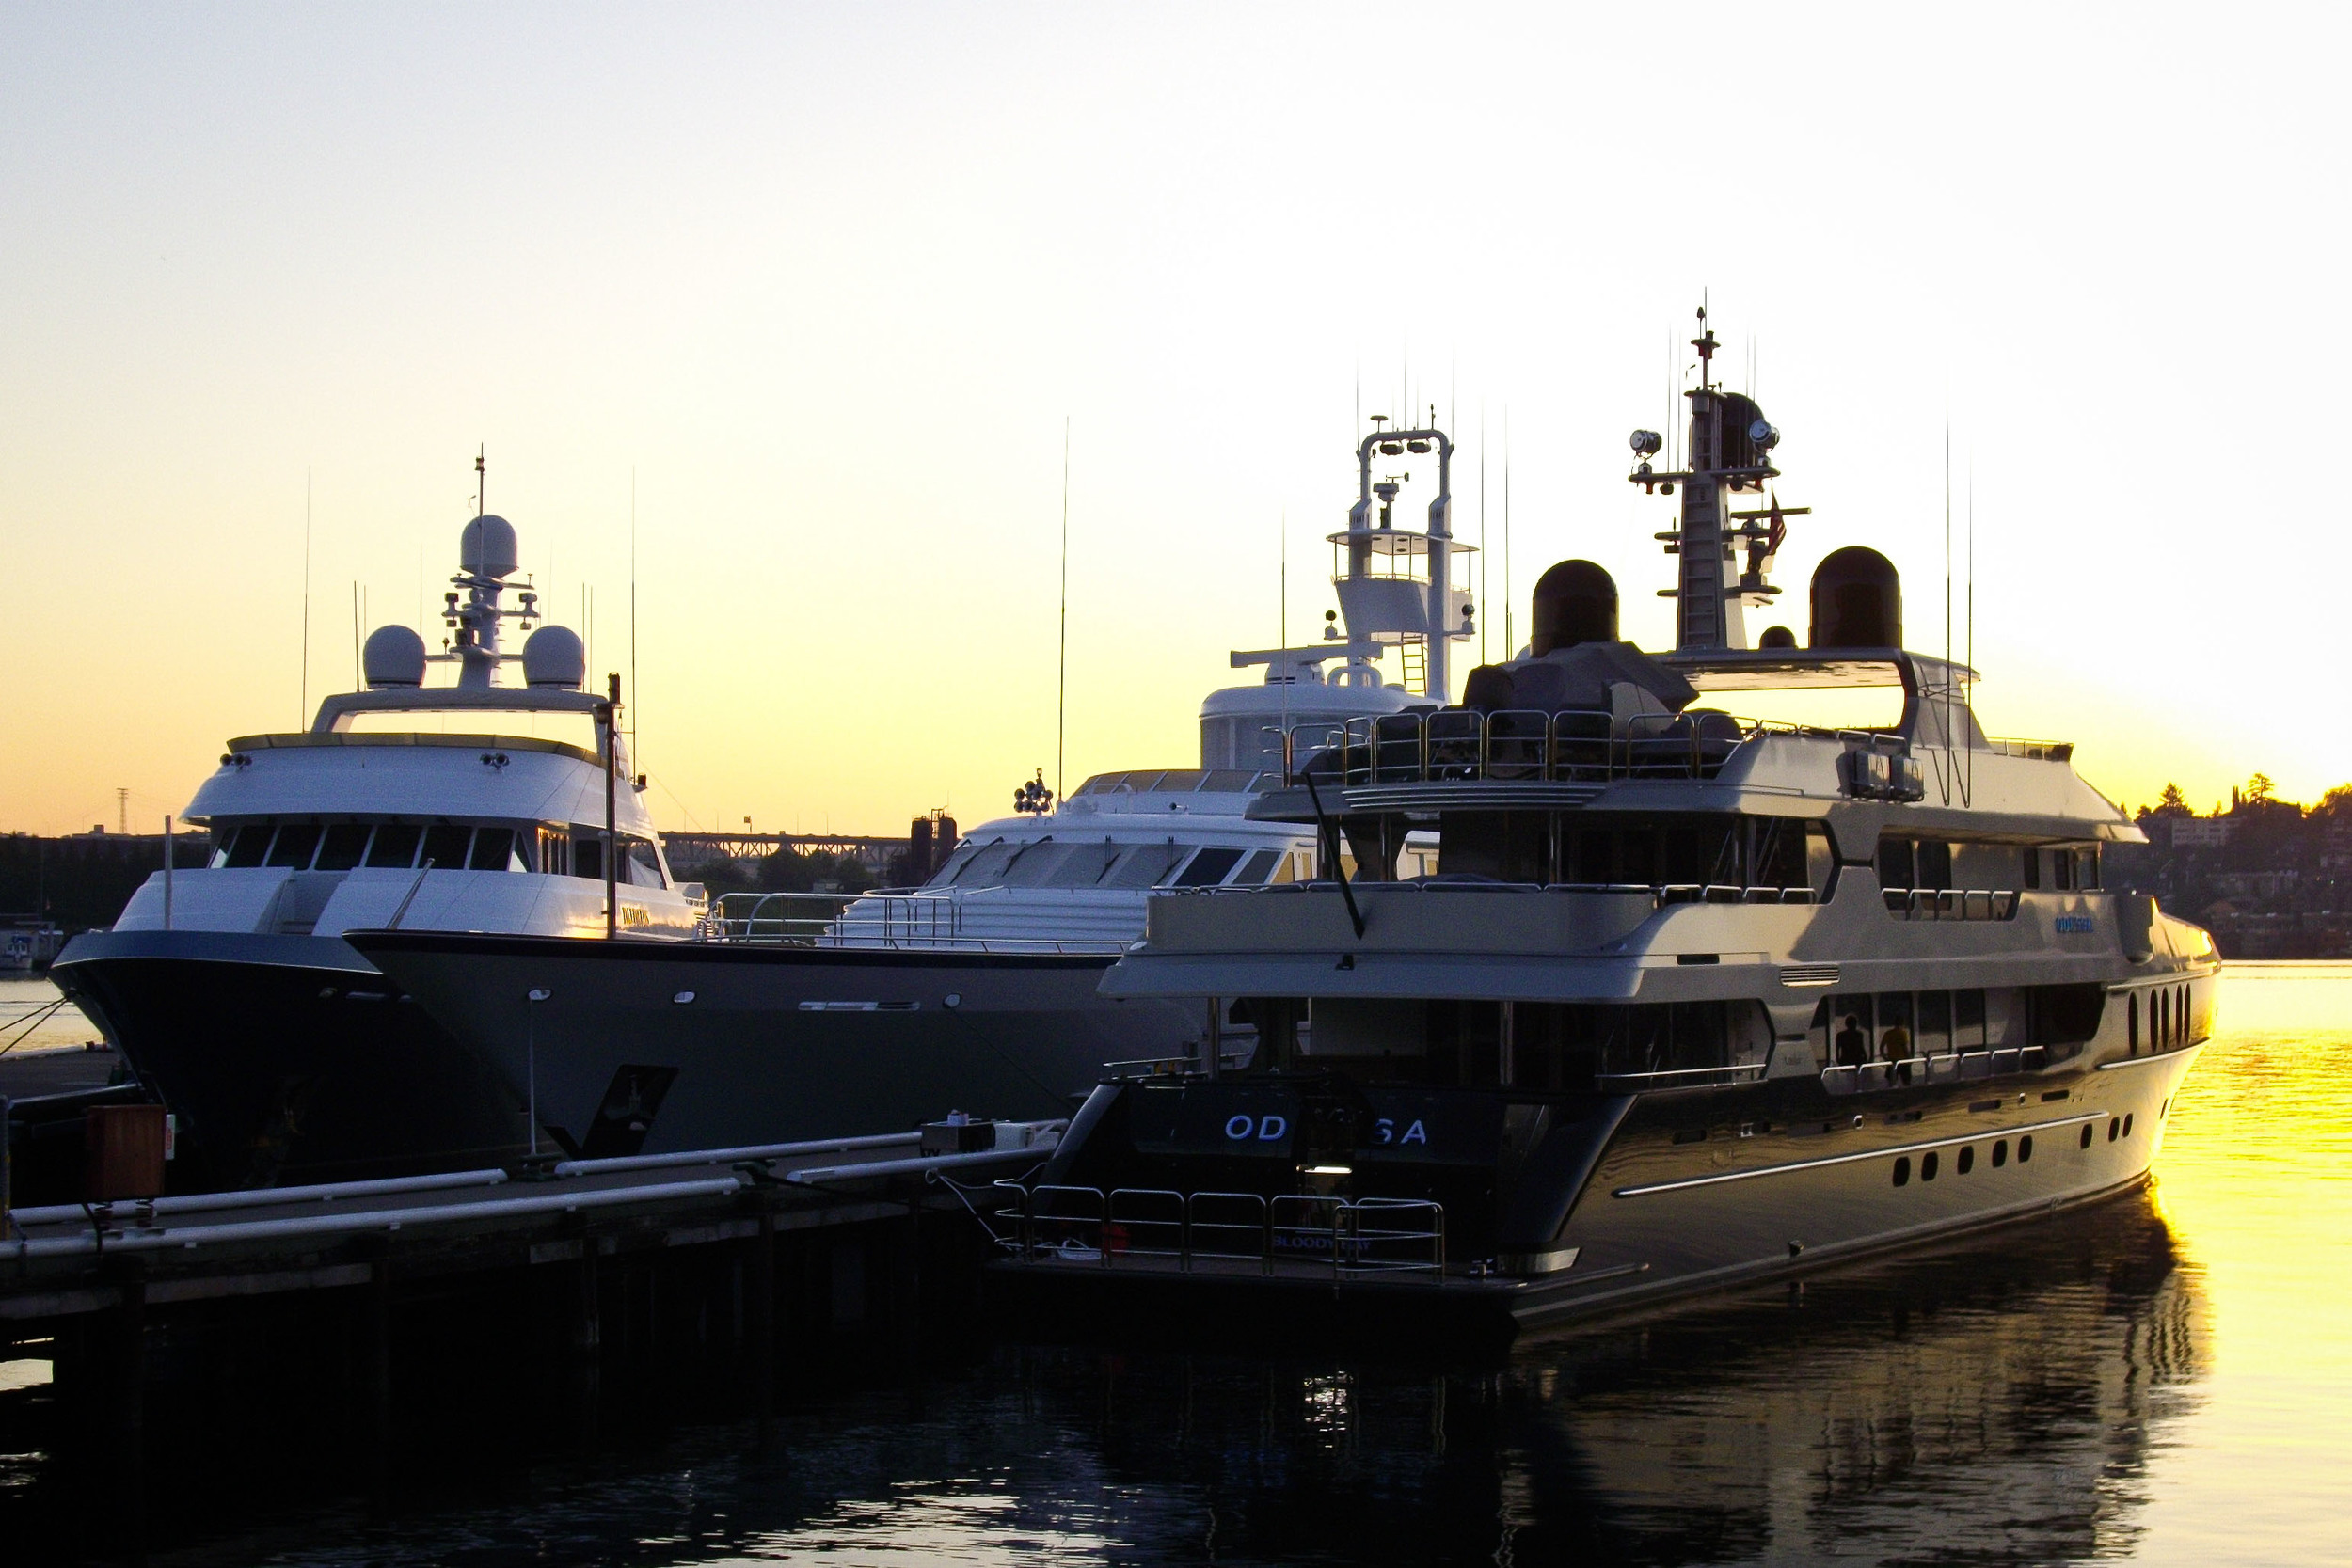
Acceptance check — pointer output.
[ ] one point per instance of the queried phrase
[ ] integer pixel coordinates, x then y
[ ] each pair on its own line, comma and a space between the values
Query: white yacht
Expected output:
1694, 1000
468, 806
976, 992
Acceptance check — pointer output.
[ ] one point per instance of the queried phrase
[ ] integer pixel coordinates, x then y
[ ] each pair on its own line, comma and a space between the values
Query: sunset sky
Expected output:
823, 284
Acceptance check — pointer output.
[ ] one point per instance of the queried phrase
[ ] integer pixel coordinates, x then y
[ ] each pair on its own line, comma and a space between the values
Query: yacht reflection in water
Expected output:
1988, 1402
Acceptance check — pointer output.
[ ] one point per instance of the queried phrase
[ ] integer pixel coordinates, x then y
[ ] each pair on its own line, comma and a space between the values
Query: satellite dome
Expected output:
1576, 602
555, 656
486, 548
394, 656
1858, 600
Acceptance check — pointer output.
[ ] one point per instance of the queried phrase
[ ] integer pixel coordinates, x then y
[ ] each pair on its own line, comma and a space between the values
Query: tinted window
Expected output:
295, 843
1231, 780
1894, 863
346, 842
986, 868
587, 855
643, 866
1258, 867
1035, 864
250, 845
1209, 867
445, 846
1146, 866
491, 848
1177, 781
953, 867
395, 844
1082, 865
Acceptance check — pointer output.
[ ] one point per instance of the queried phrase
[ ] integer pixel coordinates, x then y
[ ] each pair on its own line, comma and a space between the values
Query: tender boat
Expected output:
472, 806
1694, 1000
978, 991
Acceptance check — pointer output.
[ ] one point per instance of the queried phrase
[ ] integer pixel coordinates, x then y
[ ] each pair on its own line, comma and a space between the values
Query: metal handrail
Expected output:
1353, 1237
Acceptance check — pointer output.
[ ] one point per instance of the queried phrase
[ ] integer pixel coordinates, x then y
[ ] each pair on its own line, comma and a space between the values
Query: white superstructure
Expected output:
432, 807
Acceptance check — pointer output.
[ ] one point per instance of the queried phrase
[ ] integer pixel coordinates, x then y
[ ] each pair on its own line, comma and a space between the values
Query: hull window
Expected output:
1902, 1170
1966, 1160
2086, 1138
1927, 1166
2024, 1149
2000, 1153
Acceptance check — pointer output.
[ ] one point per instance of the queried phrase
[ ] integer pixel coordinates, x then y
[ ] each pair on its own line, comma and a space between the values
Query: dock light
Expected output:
1764, 433
1416, 446
1646, 443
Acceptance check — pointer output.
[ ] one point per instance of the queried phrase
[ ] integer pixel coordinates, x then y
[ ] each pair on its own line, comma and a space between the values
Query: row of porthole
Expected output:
1967, 1160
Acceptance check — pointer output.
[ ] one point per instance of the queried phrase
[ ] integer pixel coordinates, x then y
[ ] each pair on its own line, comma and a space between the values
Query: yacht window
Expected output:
588, 854
2063, 869
1231, 781
555, 852
249, 847
1208, 867
1968, 1020
296, 841
1897, 867
1258, 867
1084, 864
2087, 866
986, 868
953, 866
641, 865
1178, 781
492, 847
346, 845
1935, 863
1934, 1034
2063, 1015
1038, 865
395, 846
445, 846
2033, 867
1147, 865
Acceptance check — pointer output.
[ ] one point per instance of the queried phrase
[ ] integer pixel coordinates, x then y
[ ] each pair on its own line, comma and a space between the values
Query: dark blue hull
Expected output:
288, 1060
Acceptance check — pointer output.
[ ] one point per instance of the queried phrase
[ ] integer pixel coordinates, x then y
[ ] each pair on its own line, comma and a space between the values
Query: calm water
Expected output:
2162, 1380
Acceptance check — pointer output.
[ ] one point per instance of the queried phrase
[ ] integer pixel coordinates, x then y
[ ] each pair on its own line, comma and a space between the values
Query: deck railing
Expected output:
1574, 746
884, 918
1949, 903
1220, 1231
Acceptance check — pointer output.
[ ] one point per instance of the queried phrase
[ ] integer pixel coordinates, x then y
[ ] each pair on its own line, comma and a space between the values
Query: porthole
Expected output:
1927, 1167
1902, 1170
2127, 1124
2024, 1149
2114, 1127
1967, 1161
2086, 1135
2000, 1153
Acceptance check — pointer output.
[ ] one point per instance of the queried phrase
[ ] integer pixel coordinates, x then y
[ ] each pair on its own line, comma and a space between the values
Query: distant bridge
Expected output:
699, 848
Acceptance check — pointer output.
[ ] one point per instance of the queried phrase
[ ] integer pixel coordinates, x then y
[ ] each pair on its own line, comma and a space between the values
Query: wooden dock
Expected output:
727, 1268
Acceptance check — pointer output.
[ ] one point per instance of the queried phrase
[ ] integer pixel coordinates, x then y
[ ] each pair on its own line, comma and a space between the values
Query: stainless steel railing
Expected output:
892, 918
1131, 1226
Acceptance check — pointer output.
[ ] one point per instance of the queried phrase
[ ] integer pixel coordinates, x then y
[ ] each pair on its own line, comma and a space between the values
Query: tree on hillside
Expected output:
2259, 790
2336, 805
2171, 804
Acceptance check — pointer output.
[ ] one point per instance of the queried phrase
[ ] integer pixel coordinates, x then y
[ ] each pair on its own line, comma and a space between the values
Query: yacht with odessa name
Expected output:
813, 1017
469, 806
1694, 1000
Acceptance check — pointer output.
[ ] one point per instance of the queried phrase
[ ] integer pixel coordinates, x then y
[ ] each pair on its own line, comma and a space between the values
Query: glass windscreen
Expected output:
395, 846
346, 842
296, 841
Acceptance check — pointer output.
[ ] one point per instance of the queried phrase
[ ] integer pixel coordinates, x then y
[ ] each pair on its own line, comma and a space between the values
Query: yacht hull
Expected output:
641, 1047
288, 1060
1618, 1204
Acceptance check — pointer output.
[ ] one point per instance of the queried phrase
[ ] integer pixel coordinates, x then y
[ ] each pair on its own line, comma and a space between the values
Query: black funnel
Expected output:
1576, 602
1857, 601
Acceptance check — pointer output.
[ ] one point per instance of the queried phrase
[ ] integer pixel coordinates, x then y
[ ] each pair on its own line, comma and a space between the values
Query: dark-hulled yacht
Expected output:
1694, 1000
